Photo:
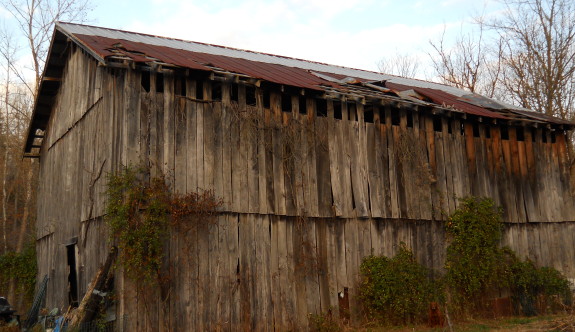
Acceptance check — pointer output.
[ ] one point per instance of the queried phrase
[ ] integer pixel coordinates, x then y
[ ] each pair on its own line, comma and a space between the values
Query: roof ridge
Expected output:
232, 48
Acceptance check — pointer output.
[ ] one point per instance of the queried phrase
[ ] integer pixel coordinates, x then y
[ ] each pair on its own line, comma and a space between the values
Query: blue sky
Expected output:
353, 33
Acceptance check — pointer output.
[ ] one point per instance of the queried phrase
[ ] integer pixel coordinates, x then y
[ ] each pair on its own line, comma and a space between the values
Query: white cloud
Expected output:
308, 29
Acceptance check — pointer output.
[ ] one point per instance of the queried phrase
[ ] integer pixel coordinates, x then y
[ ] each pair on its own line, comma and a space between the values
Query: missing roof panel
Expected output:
321, 106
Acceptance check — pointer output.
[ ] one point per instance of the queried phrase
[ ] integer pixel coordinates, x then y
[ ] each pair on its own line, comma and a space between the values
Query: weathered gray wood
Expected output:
261, 154
345, 147
392, 165
257, 269
316, 187
335, 163
278, 154
375, 182
359, 163
191, 129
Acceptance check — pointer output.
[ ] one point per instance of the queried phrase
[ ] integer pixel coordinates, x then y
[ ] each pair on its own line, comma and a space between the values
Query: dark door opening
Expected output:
72, 276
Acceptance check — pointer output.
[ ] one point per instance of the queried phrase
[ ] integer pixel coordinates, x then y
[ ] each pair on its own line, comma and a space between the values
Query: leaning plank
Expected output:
89, 306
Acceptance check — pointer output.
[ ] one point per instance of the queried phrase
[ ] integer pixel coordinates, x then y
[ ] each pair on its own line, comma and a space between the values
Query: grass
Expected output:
509, 324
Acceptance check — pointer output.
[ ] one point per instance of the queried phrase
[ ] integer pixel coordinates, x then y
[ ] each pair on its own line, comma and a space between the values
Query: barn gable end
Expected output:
317, 166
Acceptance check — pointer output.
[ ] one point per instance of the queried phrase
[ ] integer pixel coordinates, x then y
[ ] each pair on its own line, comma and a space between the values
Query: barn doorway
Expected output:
71, 253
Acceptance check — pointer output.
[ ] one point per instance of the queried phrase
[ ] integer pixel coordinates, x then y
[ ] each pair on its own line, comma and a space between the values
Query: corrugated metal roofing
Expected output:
448, 100
77, 29
106, 44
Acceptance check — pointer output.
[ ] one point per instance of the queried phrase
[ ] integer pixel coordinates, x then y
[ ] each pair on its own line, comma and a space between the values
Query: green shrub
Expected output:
324, 322
473, 262
529, 283
396, 290
22, 268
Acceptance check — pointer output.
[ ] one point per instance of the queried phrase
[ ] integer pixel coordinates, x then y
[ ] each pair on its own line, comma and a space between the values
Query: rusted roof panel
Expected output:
108, 45
448, 100
280, 69
140, 52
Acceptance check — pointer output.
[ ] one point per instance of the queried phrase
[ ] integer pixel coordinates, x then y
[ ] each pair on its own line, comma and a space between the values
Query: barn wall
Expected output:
305, 196
78, 151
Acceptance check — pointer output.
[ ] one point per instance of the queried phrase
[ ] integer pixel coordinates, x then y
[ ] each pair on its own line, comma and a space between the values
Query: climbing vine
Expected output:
140, 212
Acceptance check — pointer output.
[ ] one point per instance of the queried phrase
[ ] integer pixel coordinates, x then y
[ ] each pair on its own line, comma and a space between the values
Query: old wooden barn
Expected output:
317, 166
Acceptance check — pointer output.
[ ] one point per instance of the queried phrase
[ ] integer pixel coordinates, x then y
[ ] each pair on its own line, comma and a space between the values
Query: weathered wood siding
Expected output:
310, 186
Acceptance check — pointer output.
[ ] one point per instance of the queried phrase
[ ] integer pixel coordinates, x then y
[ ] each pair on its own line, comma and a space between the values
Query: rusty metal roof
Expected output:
108, 45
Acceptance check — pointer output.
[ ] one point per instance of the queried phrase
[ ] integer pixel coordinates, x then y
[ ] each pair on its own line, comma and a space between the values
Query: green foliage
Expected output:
22, 268
528, 283
140, 211
137, 214
324, 322
473, 256
396, 290
476, 265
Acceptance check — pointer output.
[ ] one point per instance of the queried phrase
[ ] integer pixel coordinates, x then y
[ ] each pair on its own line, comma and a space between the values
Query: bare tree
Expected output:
35, 20
538, 39
7, 53
470, 63
400, 64
530, 62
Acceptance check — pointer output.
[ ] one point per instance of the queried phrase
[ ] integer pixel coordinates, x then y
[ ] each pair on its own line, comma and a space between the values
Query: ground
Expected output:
558, 323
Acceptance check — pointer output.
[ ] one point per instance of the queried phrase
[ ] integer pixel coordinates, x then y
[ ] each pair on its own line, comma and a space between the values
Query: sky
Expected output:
351, 33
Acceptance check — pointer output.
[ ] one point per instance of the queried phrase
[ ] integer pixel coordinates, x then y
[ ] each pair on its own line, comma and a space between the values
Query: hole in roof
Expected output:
302, 105
321, 106
394, 118
337, 110
368, 115
266, 98
352, 111
520, 134
180, 86
234, 92
250, 95
475, 129
145, 80
409, 116
504, 132
286, 103
159, 82
437, 125
217, 91
200, 90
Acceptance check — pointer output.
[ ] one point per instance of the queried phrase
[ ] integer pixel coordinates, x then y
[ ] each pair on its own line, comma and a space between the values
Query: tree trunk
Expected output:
26, 212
